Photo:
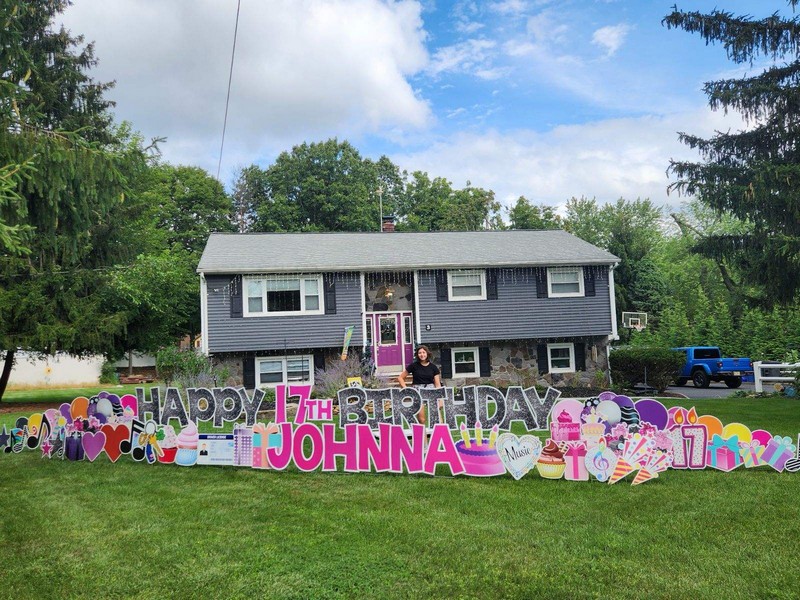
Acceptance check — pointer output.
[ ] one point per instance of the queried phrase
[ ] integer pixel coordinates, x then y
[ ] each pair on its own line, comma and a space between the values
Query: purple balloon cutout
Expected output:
622, 401
64, 410
653, 412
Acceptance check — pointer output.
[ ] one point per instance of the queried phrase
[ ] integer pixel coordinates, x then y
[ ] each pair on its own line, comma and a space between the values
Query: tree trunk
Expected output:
6, 374
130, 363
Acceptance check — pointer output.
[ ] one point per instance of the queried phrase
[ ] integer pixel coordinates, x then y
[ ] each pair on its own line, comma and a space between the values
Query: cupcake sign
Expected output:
608, 438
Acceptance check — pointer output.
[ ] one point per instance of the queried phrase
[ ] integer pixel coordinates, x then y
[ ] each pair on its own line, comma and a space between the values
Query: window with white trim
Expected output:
274, 370
465, 362
561, 358
565, 282
280, 294
466, 285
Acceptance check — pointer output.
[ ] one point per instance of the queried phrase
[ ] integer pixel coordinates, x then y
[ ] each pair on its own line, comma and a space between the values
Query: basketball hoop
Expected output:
634, 320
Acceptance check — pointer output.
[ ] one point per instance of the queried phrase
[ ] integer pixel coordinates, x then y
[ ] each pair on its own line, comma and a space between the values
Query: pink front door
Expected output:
393, 341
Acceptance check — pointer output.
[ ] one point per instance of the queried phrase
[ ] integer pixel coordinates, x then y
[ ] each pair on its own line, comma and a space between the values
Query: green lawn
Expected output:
84, 530
68, 394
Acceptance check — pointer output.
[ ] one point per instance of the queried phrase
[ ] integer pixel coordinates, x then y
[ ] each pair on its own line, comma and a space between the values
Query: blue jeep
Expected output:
705, 364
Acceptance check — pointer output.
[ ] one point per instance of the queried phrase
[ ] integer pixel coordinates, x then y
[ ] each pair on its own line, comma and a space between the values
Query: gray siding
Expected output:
252, 334
516, 314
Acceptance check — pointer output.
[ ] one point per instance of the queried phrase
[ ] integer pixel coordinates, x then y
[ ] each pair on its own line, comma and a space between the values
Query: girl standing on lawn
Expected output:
424, 374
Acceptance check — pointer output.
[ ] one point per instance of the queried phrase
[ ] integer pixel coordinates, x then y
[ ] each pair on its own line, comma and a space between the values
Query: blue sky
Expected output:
543, 98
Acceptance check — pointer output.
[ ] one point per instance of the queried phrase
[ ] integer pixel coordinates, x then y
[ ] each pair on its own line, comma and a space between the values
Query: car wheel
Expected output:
681, 381
733, 382
700, 379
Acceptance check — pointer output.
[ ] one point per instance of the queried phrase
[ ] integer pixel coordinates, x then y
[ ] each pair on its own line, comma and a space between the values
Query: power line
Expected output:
230, 78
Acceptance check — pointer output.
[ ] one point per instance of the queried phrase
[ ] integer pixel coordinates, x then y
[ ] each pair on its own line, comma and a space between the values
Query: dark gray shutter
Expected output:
580, 356
447, 363
319, 360
541, 358
236, 297
588, 281
441, 286
249, 372
541, 283
491, 284
485, 361
329, 285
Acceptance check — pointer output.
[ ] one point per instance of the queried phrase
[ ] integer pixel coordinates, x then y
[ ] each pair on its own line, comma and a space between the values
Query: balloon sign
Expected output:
609, 438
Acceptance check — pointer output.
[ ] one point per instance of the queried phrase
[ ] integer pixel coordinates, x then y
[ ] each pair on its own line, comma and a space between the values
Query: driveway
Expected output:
715, 390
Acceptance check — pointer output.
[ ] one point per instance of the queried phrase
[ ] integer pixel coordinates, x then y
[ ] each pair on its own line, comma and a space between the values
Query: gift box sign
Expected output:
723, 454
751, 453
778, 451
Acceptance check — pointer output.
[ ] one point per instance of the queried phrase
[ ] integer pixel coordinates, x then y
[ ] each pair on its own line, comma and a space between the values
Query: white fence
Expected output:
786, 373
59, 370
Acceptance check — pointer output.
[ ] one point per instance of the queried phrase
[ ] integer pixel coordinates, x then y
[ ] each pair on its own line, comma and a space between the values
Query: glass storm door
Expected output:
390, 339
408, 339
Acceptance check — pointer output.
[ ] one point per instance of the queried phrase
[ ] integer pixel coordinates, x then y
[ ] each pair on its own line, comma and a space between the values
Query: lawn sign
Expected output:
608, 438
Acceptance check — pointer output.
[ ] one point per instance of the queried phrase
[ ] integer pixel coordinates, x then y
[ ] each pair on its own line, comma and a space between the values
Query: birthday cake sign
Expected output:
607, 438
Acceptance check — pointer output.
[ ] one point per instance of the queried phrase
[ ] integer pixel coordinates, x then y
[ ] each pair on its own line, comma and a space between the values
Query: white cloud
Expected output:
470, 56
557, 54
509, 7
611, 37
304, 69
604, 159
546, 28
468, 27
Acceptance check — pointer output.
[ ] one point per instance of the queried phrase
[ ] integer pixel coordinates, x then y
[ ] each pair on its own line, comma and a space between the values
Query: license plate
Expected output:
737, 372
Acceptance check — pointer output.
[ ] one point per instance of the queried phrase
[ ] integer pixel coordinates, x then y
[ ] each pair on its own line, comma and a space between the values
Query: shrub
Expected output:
329, 381
108, 373
658, 367
188, 369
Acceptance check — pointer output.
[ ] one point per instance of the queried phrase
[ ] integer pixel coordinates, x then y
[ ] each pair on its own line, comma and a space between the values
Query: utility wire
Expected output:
230, 78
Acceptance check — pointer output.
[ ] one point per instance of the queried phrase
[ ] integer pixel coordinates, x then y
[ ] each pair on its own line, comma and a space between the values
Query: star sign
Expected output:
47, 448
4, 437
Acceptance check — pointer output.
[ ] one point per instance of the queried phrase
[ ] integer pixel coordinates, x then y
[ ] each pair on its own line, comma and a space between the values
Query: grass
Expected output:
83, 530
68, 394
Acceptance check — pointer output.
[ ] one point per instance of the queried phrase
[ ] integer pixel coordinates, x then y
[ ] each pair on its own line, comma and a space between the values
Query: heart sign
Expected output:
93, 444
518, 454
115, 435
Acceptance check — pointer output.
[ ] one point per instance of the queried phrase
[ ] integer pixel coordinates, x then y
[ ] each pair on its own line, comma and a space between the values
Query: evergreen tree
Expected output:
753, 175
54, 118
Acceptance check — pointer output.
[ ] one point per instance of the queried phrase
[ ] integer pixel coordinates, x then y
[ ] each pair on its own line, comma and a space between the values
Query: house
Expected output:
503, 306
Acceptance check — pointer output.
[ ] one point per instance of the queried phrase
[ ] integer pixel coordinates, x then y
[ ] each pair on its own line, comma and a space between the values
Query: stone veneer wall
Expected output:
516, 363
233, 364
513, 363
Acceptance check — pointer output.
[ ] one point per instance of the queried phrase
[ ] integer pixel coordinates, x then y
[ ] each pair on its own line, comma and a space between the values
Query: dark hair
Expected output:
423, 347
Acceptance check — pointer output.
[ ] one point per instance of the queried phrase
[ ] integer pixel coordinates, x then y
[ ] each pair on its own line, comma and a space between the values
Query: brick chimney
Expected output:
387, 224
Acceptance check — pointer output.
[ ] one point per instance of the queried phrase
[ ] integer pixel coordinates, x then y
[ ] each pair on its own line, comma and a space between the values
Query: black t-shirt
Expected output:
422, 374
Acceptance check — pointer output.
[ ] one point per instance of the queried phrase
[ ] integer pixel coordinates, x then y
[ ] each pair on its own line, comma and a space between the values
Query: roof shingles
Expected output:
304, 252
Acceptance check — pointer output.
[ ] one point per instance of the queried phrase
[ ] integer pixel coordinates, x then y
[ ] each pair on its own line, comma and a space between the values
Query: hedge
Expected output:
658, 367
